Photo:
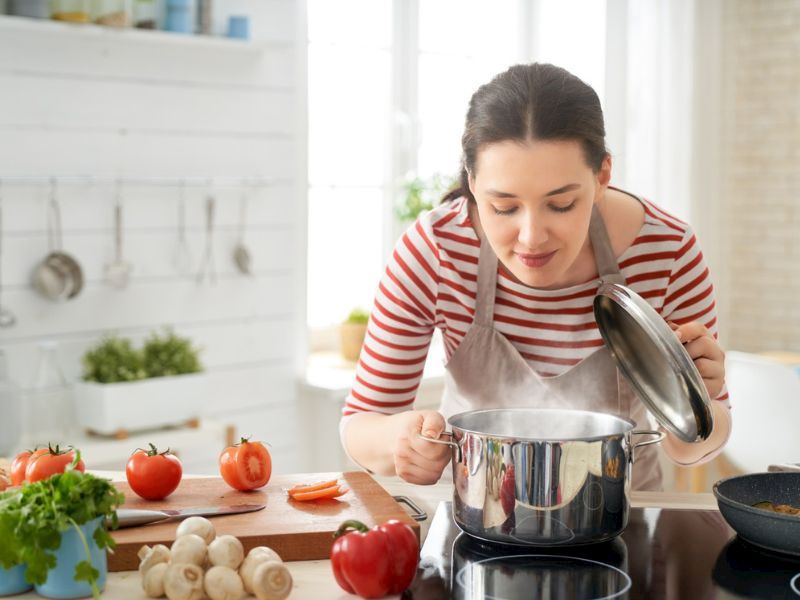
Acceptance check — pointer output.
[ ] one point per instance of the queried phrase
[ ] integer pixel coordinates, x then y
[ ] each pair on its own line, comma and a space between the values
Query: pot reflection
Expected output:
490, 570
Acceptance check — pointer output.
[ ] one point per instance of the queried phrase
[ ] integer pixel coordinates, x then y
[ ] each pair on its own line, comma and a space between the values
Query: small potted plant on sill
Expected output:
352, 333
54, 534
125, 389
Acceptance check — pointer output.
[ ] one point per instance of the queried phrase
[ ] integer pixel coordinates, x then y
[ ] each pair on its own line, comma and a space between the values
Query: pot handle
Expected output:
444, 442
660, 435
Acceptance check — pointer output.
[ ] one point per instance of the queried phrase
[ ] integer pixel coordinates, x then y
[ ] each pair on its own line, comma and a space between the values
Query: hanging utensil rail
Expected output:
191, 181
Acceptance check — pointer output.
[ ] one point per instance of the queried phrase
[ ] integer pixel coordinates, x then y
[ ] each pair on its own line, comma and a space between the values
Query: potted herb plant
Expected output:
421, 194
126, 389
54, 533
352, 332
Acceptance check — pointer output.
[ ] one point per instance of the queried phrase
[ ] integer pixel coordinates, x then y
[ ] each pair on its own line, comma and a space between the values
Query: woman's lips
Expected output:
535, 260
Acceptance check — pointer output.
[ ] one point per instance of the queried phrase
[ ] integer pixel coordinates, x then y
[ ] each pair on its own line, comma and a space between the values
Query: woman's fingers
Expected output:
413, 473
705, 347
705, 351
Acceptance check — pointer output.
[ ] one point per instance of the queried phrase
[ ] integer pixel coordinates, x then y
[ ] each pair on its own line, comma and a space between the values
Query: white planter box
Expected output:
108, 408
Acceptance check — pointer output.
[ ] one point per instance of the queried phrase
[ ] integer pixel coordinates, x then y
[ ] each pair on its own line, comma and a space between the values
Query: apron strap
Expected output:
487, 275
607, 267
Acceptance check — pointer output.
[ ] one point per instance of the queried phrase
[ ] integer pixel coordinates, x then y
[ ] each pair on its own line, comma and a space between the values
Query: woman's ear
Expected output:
471, 183
603, 176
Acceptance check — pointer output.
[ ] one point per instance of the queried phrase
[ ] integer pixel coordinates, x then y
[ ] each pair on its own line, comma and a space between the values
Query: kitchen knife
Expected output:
132, 517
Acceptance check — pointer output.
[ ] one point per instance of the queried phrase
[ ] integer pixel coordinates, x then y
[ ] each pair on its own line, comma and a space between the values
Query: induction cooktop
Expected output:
674, 554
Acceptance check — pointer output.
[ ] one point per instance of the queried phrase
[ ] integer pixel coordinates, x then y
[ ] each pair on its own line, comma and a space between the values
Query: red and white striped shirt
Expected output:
431, 282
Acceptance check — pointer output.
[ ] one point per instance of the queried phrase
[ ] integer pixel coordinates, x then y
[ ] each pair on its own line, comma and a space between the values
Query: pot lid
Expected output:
654, 361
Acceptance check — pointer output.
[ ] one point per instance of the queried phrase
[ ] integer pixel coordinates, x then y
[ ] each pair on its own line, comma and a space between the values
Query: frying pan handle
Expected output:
450, 443
659, 436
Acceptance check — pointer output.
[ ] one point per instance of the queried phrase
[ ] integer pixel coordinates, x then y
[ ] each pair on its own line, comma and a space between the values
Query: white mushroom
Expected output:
153, 580
272, 581
226, 551
189, 549
256, 556
198, 526
183, 582
223, 583
152, 556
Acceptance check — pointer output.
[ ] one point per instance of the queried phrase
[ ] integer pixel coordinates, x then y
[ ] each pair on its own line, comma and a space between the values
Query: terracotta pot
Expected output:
351, 336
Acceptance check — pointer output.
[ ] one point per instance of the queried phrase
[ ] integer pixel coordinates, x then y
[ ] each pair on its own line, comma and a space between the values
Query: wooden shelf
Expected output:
134, 36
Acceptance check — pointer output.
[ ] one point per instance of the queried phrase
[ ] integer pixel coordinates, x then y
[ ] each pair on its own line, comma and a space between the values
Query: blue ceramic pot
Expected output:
12, 581
60, 581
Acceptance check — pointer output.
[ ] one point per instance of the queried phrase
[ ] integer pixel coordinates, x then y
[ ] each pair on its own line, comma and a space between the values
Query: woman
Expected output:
507, 270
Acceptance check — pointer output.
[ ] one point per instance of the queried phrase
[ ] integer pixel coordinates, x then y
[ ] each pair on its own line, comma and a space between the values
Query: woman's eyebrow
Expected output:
565, 188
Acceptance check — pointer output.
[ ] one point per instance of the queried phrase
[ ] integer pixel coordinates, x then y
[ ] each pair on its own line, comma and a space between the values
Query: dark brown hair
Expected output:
534, 101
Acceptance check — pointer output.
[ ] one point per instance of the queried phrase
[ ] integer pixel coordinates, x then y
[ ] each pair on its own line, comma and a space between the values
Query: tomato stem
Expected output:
348, 526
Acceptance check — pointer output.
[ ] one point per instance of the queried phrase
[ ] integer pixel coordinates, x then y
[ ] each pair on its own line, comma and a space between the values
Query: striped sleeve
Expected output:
400, 327
690, 291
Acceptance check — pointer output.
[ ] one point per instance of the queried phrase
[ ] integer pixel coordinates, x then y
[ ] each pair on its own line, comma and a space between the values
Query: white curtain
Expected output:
649, 98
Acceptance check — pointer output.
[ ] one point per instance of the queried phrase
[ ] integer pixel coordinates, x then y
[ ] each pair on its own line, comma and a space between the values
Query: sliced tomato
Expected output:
312, 487
329, 492
246, 465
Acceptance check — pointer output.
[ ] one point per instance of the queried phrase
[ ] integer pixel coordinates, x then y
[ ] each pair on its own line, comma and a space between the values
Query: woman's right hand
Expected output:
417, 460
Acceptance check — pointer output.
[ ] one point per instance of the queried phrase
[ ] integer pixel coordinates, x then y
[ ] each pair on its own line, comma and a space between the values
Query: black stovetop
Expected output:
671, 554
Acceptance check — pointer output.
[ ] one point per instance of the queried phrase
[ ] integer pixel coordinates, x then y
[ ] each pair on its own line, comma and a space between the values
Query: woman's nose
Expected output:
533, 232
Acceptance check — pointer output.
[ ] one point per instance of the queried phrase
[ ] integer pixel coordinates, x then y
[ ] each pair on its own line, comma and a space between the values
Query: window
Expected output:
367, 132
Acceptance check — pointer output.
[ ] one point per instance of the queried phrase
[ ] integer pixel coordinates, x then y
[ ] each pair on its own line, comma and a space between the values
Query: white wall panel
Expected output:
96, 102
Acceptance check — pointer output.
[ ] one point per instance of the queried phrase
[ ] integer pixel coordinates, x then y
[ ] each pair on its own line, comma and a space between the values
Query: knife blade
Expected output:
133, 517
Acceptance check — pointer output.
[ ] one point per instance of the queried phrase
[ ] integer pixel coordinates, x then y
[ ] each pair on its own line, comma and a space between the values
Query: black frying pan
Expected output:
766, 529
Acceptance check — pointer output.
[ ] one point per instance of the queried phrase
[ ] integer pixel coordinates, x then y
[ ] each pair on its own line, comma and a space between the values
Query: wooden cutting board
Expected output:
295, 530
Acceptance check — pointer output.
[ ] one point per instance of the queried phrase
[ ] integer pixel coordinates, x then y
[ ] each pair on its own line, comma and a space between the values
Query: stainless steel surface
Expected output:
659, 437
241, 254
7, 318
784, 467
416, 512
654, 361
58, 276
207, 269
132, 517
119, 270
542, 477
183, 257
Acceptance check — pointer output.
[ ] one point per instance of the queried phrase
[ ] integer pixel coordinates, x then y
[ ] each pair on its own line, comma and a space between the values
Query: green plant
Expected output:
33, 518
169, 354
358, 316
113, 360
421, 194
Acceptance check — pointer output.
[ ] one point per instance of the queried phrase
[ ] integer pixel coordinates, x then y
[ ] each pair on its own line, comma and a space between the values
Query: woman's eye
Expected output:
507, 211
563, 209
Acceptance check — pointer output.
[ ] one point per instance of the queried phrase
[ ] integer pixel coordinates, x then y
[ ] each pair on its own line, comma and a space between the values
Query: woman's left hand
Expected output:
706, 353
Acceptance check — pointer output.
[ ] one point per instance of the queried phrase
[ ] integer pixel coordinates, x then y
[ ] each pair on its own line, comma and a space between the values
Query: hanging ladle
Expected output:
183, 258
207, 269
118, 272
7, 318
241, 254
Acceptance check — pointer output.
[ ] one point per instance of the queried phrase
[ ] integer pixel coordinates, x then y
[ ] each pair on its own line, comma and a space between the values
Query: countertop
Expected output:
314, 580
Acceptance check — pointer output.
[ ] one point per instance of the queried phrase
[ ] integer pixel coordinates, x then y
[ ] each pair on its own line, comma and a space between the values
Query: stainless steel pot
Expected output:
542, 477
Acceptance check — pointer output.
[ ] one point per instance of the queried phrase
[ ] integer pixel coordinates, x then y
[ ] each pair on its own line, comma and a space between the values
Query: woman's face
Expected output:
535, 200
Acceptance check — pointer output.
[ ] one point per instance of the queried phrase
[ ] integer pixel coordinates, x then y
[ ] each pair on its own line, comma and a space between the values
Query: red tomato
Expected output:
48, 461
246, 465
20, 463
152, 474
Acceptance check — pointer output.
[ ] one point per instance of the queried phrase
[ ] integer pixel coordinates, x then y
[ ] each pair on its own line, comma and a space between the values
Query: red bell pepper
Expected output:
374, 562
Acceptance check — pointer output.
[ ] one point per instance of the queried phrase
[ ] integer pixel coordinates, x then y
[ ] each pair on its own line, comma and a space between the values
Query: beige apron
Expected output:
486, 371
